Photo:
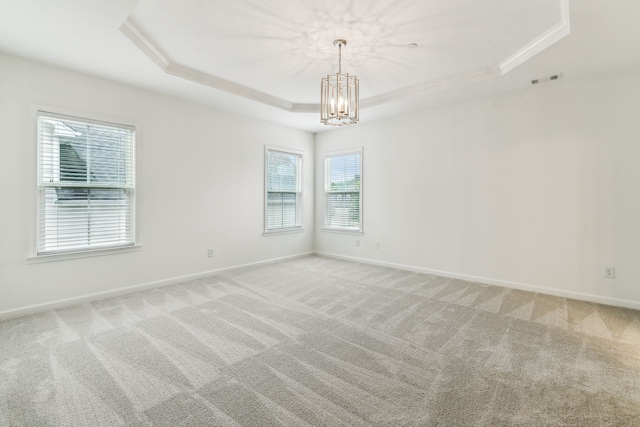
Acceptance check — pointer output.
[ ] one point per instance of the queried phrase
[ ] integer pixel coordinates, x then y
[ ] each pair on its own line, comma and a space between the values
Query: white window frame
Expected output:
298, 194
37, 255
350, 230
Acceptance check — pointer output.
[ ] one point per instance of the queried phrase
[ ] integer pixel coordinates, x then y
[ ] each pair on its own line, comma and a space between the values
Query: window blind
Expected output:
284, 190
86, 184
342, 181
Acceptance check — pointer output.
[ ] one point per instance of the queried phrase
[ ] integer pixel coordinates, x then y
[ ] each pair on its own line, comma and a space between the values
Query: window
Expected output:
283, 206
342, 195
86, 184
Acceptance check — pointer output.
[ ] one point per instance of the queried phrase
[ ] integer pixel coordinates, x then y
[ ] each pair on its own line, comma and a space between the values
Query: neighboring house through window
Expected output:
283, 184
342, 191
86, 184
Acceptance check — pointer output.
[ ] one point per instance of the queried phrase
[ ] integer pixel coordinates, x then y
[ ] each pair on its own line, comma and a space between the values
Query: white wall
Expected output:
200, 185
535, 189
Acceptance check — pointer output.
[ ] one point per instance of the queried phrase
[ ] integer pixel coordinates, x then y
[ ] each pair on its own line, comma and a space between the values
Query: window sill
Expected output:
343, 230
283, 231
83, 254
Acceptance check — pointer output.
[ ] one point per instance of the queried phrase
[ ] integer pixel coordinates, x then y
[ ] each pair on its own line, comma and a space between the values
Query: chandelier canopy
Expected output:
339, 95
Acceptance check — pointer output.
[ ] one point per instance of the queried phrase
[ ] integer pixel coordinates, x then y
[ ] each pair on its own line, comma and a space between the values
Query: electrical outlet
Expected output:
210, 252
358, 243
608, 272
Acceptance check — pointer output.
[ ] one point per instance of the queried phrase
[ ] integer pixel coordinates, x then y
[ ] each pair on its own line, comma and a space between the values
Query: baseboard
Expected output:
488, 281
23, 311
32, 309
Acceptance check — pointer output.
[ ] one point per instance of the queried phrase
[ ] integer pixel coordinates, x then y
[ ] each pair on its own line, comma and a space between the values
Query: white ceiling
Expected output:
266, 61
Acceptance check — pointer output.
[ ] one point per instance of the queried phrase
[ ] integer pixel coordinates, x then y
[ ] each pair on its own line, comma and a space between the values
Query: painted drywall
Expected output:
200, 185
538, 190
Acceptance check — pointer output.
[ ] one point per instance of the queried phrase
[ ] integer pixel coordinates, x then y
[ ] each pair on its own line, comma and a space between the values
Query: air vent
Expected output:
546, 79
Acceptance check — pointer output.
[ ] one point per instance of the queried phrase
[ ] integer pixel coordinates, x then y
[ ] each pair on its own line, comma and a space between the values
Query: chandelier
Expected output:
339, 95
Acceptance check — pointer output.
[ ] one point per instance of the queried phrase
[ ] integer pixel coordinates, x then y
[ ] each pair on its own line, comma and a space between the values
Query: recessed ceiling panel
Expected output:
283, 48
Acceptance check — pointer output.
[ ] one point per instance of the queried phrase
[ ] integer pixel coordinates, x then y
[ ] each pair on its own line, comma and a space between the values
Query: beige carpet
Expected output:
323, 342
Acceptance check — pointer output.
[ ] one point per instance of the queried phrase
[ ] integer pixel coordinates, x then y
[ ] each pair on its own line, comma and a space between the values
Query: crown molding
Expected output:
305, 108
432, 86
548, 38
129, 29
206, 79
133, 33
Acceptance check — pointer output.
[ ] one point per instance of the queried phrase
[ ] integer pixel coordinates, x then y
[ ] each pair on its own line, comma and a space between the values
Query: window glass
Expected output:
283, 190
85, 184
342, 184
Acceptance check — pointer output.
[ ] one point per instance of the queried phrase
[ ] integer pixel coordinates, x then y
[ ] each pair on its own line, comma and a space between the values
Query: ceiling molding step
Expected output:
433, 86
129, 29
133, 33
212, 81
548, 38
305, 108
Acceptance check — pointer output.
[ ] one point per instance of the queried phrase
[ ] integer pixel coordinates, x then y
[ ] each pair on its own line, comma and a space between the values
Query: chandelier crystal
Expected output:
339, 95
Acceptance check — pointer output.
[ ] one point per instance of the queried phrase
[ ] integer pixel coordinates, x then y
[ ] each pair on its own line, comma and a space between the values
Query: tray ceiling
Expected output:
278, 55
265, 59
